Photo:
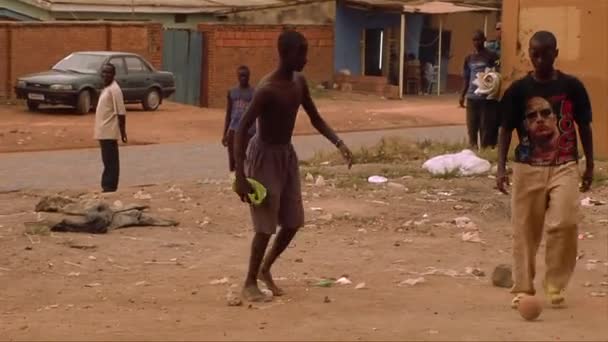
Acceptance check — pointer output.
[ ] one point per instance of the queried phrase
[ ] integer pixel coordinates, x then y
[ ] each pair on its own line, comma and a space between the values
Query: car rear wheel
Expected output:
33, 106
84, 102
152, 100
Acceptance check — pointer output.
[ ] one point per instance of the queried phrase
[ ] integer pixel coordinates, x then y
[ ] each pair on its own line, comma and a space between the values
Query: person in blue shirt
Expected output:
238, 100
482, 113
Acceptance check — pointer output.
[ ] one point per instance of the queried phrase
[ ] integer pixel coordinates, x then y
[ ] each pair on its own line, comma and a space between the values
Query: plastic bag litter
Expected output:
465, 163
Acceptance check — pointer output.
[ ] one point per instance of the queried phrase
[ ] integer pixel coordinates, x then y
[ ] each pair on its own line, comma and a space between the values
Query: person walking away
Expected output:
545, 108
482, 113
272, 160
110, 126
238, 100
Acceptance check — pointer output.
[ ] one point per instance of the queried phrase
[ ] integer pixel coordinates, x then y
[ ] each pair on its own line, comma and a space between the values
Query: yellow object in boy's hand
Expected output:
259, 193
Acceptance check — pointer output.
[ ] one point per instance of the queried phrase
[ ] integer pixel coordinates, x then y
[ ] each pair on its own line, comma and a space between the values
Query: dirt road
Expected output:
156, 283
57, 129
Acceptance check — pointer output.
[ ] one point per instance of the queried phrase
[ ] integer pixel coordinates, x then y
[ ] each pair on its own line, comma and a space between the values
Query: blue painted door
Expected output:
182, 55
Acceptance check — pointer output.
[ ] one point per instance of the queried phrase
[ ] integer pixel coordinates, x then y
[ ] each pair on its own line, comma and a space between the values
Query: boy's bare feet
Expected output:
252, 293
266, 278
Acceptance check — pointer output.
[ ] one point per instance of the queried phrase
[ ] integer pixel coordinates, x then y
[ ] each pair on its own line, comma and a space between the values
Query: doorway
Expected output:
374, 52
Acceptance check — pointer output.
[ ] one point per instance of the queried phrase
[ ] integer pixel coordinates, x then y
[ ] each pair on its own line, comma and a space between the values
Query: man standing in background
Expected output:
482, 113
110, 125
494, 45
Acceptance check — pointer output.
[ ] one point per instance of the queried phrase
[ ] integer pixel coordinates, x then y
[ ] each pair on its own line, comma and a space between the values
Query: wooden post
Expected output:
401, 54
485, 25
439, 53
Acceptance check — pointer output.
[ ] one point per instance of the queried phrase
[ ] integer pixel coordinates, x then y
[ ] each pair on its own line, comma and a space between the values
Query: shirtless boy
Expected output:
272, 160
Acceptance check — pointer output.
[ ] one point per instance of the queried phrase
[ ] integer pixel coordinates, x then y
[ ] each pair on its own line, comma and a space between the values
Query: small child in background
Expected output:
239, 98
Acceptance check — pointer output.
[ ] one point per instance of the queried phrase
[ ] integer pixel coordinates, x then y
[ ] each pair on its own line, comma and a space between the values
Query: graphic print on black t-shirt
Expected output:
545, 116
551, 133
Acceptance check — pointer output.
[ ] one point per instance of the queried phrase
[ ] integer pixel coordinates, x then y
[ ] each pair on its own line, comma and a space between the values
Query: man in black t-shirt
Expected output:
545, 108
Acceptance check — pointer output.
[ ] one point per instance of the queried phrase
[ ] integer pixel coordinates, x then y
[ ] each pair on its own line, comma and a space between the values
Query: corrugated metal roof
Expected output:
147, 6
431, 6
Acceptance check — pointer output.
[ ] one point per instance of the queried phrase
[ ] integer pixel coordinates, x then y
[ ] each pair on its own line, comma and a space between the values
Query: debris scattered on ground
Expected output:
465, 163
377, 179
326, 300
413, 281
93, 285
94, 216
142, 195
397, 186
325, 283
309, 178
360, 286
475, 272
502, 276
590, 202
598, 294
588, 284
221, 281
344, 281
320, 181
585, 236
472, 236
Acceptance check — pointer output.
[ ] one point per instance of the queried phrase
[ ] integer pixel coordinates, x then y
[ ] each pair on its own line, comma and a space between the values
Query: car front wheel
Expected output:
33, 106
84, 102
152, 100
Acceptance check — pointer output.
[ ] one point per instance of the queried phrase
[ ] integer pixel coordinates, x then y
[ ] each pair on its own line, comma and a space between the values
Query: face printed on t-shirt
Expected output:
541, 121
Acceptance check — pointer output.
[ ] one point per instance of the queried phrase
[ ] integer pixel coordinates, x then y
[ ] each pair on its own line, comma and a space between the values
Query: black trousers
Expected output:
111, 165
482, 123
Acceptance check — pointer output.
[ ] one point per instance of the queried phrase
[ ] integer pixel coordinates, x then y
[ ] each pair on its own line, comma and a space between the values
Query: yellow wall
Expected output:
463, 25
581, 28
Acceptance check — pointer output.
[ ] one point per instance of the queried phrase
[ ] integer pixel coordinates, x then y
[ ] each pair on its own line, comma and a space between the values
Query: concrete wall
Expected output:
581, 28
318, 13
33, 47
225, 47
349, 26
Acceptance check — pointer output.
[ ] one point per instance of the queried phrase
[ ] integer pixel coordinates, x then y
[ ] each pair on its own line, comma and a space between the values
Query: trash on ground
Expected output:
465, 163
320, 181
360, 286
413, 281
343, 281
142, 195
221, 281
377, 180
598, 294
590, 202
325, 283
474, 271
471, 237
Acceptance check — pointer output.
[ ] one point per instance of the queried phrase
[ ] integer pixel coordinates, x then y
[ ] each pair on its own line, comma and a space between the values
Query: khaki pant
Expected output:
544, 197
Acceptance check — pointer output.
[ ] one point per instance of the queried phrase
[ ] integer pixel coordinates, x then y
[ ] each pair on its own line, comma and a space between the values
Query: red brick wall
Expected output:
228, 46
33, 47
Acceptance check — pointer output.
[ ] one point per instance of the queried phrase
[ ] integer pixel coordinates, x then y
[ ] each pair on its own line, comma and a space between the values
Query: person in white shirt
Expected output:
110, 126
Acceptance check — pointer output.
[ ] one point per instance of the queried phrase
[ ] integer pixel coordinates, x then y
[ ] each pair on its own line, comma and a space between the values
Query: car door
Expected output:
139, 76
122, 77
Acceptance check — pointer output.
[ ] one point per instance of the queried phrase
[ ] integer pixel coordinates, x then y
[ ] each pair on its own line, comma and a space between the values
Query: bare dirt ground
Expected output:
60, 128
155, 283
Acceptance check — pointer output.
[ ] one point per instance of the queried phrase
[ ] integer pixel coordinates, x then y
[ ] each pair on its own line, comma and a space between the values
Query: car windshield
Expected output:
81, 63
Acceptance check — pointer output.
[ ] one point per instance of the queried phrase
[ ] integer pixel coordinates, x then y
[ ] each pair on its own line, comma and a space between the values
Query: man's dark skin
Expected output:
243, 75
543, 53
275, 105
108, 73
478, 43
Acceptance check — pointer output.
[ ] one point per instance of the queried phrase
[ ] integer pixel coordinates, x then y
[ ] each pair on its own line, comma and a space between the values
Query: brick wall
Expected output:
228, 46
33, 47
